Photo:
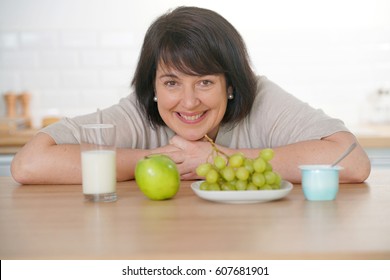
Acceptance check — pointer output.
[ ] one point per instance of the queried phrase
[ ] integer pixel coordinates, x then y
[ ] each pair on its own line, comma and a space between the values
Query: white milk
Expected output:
99, 171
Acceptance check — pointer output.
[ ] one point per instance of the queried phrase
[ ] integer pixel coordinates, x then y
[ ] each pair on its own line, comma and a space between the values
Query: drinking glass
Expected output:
98, 162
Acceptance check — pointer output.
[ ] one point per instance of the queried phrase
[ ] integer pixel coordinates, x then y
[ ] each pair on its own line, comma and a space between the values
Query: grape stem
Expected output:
215, 149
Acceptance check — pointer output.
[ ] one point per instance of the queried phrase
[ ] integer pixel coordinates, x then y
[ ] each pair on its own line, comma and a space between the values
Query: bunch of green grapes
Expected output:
236, 172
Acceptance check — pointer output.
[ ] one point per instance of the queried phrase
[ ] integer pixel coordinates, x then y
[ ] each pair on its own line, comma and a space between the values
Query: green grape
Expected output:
270, 177
238, 173
203, 169
248, 164
228, 173
204, 186
233, 182
251, 187
258, 179
214, 187
259, 165
219, 162
278, 180
226, 186
267, 154
241, 185
242, 173
212, 176
265, 187
268, 167
236, 160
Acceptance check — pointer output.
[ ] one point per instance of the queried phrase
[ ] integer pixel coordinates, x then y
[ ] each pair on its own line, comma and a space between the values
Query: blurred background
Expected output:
69, 57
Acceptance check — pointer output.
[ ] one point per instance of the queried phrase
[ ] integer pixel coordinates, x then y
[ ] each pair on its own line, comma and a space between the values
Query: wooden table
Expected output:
54, 222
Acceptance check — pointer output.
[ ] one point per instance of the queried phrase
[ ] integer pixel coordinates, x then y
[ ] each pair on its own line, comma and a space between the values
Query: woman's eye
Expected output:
170, 83
206, 82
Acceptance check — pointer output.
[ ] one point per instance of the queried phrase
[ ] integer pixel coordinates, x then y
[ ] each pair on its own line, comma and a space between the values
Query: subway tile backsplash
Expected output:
72, 72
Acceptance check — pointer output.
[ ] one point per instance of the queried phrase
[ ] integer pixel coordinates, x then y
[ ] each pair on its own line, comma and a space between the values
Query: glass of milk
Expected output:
98, 162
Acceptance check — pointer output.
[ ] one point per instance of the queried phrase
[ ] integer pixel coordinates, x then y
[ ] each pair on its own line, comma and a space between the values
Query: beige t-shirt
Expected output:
277, 118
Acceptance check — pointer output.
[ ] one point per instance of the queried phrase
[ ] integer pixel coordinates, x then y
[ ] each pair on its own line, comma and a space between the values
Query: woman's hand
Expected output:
189, 155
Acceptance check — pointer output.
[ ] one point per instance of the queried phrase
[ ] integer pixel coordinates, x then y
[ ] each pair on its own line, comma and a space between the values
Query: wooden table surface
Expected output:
54, 222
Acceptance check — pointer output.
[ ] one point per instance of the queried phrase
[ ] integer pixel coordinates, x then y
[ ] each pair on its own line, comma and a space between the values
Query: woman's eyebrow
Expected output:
167, 75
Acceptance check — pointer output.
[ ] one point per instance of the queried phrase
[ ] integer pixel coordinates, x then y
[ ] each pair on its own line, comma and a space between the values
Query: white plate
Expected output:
243, 196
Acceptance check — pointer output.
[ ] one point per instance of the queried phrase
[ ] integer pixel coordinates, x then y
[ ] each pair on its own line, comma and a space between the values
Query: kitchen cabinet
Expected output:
375, 140
379, 157
5, 164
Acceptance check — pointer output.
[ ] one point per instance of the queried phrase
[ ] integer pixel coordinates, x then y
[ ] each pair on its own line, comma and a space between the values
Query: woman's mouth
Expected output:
191, 118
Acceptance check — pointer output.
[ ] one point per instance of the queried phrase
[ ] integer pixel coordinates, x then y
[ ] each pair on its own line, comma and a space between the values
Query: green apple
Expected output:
157, 177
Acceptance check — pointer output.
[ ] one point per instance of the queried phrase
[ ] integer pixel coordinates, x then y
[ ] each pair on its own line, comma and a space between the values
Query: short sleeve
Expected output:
284, 119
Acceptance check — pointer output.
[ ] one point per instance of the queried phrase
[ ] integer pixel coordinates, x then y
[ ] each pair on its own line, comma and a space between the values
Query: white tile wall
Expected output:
74, 58
79, 39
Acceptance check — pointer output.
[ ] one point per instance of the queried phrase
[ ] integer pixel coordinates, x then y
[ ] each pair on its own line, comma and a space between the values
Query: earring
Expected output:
155, 99
230, 92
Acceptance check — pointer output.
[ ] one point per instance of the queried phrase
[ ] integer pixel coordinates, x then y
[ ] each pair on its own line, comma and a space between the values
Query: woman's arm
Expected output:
356, 166
287, 158
42, 161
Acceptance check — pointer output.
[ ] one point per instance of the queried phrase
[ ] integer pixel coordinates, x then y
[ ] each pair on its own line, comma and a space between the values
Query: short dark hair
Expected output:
195, 41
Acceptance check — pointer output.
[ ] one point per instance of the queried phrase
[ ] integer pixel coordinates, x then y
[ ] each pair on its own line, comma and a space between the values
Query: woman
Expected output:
194, 78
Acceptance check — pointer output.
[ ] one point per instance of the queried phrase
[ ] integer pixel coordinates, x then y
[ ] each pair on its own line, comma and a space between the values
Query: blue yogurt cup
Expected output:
320, 182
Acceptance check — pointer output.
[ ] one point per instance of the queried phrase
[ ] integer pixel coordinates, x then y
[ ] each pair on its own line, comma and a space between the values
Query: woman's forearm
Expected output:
326, 151
41, 161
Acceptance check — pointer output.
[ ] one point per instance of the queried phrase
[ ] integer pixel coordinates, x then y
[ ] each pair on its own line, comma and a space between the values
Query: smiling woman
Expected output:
193, 79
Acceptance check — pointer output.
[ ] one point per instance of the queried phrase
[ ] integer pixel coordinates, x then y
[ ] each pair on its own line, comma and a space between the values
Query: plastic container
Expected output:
320, 182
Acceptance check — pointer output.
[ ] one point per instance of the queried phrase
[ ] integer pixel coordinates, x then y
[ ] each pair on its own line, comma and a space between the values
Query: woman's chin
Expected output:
191, 137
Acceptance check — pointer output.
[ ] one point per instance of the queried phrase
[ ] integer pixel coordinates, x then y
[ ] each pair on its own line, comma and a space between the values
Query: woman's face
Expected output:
192, 106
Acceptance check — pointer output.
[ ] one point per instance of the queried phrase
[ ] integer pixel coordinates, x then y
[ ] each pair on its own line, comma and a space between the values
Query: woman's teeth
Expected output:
191, 118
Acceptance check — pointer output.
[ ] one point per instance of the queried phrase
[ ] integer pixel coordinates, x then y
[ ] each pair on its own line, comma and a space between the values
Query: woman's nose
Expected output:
190, 98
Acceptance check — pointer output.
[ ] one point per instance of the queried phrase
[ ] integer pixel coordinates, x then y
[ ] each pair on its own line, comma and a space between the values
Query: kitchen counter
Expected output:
11, 142
373, 136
